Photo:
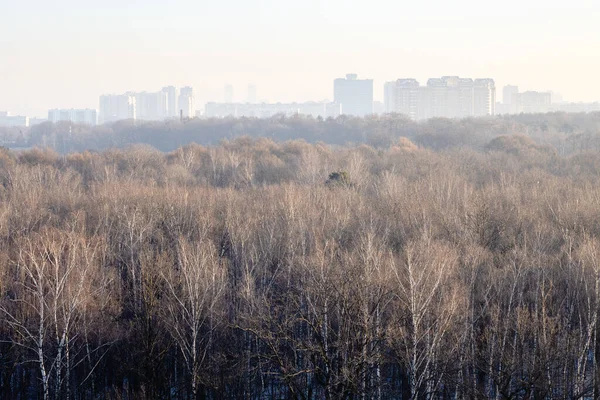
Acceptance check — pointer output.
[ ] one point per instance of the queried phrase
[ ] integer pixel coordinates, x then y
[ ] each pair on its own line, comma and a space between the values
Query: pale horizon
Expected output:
68, 53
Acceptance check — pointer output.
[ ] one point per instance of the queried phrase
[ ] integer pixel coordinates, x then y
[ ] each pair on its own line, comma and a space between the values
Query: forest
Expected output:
564, 131
421, 263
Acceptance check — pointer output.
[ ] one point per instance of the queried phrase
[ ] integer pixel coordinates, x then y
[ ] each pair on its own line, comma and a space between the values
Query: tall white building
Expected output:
79, 116
402, 96
508, 92
424, 103
187, 102
117, 107
355, 95
436, 97
172, 106
448, 97
389, 97
452, 97
407, 97
466, 98
484, 97
532, 102
151, 106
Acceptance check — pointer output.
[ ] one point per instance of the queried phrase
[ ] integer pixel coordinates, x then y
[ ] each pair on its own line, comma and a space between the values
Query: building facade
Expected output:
354, 95
187, 102
508, 92
6, 119
484, 97
151, 106
389, 97
447, 97
267, 110
531, 102
78, 116
407, 97
116, 107
172, 97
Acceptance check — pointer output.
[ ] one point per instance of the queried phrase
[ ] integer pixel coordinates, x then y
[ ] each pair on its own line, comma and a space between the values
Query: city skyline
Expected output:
65, 53
448, 97
244, 97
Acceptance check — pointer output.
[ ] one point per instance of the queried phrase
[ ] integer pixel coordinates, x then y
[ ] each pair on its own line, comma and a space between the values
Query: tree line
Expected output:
258, 269
566, 132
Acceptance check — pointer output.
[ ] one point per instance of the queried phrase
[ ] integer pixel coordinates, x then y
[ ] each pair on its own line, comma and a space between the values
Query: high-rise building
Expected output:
436, 87
187, 102
251, 94
79, 116
117, 107
151, 106
355, 95
448, 97
172, 107
424, 103
402, 96
465, 97
389, 97
508, 92
407, 97
532, 102
228, 94
484, 97
452, 100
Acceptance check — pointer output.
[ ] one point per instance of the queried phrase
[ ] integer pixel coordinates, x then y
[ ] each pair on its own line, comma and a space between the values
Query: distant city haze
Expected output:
66, 53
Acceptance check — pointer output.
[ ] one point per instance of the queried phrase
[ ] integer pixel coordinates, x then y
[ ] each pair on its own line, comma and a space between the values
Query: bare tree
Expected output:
425, 318
54, 270
194, 289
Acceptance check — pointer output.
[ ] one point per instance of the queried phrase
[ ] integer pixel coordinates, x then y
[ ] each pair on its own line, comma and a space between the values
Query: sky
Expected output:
66, 53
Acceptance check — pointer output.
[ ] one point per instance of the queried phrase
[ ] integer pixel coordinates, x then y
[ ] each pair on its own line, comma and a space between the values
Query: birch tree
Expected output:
194, 289
425, 315
53, 284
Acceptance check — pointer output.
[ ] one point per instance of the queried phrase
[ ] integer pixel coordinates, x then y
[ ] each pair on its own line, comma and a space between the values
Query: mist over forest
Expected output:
294, 258
566, 132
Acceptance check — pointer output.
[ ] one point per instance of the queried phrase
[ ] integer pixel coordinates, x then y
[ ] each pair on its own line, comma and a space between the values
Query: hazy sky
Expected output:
65, 53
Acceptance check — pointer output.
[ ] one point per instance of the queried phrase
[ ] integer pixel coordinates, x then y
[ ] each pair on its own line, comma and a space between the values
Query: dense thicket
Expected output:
566, 132
264, 270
